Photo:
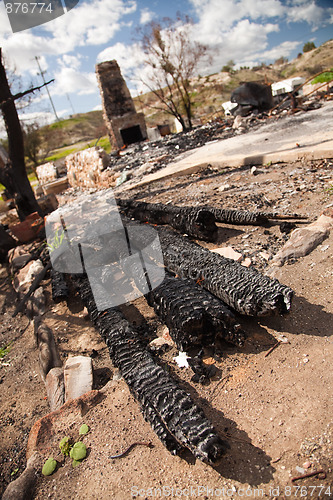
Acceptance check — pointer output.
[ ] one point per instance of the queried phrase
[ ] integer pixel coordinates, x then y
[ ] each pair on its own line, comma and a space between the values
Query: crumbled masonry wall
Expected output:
46, 173
87, 168
118, 106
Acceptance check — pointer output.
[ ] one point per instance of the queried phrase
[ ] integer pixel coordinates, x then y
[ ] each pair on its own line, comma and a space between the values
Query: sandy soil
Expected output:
275, 410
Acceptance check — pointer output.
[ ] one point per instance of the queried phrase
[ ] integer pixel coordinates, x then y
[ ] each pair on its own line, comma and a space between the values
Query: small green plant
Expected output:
15, 471
65, 446
56, 240
78, 453
49, 467
84, 429
4, 351
329, 189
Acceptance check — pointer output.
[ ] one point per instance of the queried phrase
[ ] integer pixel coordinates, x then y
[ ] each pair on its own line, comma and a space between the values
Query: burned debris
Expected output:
195, 318
176, 419
252, 97
58, 286
196, 222
244, 289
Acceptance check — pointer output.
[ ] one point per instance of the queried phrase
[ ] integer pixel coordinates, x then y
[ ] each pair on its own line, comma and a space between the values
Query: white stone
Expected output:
78, 376
228, 253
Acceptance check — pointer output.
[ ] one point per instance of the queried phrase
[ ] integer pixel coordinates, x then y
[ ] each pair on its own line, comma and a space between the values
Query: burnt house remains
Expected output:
125, 126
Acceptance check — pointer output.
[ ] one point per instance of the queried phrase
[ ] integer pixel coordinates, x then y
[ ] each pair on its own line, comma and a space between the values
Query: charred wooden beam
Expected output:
238, 217
196, 222
244, 289
194, 316
175, 418
58, 286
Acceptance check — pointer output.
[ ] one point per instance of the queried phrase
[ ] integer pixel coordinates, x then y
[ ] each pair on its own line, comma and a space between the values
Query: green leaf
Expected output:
49, 467
75, 463
84, 429
79, 451
15, 471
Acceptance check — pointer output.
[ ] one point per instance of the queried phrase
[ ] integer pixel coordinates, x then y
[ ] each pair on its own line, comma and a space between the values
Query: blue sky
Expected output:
247, 31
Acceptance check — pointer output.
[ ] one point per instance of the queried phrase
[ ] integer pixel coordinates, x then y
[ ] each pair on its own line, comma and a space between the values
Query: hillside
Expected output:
208, 92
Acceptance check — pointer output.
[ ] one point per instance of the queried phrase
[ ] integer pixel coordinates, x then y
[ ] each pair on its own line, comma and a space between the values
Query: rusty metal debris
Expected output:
320, 473
131, 446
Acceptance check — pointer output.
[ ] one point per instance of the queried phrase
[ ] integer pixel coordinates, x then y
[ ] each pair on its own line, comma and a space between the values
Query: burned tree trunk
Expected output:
245, 290
14, 176
194, 317
175, 418
196, 222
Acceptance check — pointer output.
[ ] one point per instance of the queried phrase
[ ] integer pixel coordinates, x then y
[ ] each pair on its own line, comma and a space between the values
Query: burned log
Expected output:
196, 222
58, 286
194, 316
238, 217
244, 289
191, 220
176, 419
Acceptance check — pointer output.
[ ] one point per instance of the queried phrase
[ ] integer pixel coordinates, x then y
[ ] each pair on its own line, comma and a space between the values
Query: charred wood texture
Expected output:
245, 290
238, 217
196, 222
194, 316
59, 286
175, 418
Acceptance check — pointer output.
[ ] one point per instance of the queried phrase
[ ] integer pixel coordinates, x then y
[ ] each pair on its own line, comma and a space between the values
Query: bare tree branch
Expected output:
21, 94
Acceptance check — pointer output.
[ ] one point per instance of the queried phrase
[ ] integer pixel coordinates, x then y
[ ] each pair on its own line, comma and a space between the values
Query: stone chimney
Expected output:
125, 126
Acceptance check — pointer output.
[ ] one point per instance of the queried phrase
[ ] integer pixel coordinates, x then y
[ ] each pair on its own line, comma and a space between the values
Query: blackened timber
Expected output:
58, 286
238, 217
175, 418
196, 222
244, 289
194, 316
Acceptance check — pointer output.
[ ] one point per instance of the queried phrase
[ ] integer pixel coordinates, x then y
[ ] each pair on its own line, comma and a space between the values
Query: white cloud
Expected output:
146, 16
73, 62
283, 49
129, 57
70, 80
309, 12
90, 23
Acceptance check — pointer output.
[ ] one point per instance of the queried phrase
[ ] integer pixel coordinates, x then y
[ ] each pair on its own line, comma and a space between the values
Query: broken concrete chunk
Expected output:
78, 375
303, 240
55, 388
229, 253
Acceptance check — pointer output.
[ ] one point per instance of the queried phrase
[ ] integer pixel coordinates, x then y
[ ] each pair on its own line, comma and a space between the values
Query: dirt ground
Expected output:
275, 410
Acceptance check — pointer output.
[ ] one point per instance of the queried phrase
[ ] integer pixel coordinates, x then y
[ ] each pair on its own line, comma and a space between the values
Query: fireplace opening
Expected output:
131, 135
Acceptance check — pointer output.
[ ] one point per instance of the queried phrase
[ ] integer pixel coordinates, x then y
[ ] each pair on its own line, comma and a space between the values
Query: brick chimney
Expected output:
125, 126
